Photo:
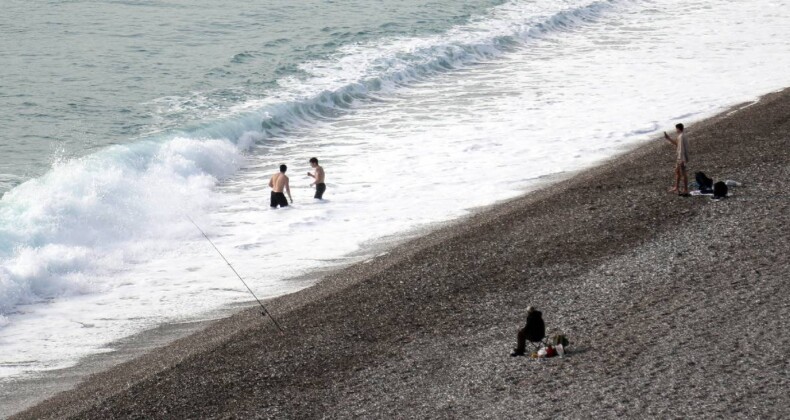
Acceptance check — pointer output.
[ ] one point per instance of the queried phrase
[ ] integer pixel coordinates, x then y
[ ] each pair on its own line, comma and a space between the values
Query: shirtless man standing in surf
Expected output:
279, 182
320, 186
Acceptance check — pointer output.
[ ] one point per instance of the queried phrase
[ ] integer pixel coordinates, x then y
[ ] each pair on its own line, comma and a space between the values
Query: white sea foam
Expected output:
411, 131
68, 230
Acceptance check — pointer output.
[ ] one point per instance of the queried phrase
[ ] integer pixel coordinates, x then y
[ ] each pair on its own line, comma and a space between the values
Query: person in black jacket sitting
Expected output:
534, 331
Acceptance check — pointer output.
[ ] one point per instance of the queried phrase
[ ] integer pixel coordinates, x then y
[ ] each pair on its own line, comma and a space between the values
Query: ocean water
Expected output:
121, 119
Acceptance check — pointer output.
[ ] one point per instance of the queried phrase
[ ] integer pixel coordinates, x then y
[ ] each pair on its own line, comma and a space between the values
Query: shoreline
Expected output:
374, 342
47, 384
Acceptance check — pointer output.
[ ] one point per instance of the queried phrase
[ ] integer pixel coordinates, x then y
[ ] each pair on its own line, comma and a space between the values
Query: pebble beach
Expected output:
674, 307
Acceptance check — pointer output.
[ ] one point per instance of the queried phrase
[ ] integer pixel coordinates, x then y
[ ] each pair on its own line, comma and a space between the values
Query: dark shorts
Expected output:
278, 198
319, 190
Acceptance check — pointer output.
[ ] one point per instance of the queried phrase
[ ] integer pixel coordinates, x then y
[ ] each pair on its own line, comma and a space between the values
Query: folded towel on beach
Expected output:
698, 192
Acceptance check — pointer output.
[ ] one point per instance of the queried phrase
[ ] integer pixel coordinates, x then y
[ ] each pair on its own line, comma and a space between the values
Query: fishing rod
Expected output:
265, 312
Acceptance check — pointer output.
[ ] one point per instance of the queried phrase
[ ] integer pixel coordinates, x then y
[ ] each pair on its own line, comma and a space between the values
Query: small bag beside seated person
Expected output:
534, 331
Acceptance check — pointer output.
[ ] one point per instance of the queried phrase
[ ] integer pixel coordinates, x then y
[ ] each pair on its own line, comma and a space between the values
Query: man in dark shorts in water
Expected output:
279, 182
320, 186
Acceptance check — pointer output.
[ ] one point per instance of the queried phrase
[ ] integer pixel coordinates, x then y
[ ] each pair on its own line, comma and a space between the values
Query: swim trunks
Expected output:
319, 190
278, 198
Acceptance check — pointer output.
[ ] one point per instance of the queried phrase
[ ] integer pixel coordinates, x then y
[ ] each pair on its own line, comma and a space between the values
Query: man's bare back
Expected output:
278, 182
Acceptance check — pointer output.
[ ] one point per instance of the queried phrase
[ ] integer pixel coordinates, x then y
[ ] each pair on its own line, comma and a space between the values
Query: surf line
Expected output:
265, 312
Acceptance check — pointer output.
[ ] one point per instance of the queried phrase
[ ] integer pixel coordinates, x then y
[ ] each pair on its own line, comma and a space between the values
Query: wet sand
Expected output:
675, 307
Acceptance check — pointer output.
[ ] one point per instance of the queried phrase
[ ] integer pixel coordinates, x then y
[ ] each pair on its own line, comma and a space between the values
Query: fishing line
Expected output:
265, 312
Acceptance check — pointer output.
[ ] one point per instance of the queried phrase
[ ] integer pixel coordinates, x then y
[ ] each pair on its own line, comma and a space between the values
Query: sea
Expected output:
123, 121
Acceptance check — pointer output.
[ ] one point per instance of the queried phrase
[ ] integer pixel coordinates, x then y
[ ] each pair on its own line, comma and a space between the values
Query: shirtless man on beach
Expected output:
682, 146
320, 186
279, 182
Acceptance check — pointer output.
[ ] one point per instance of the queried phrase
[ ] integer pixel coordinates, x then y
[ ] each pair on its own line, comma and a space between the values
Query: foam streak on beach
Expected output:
115, 134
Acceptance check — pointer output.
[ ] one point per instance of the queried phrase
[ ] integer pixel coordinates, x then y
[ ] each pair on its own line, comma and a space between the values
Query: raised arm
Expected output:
669, 139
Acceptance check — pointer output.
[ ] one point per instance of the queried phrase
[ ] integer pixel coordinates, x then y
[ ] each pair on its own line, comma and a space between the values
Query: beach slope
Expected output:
674, 307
